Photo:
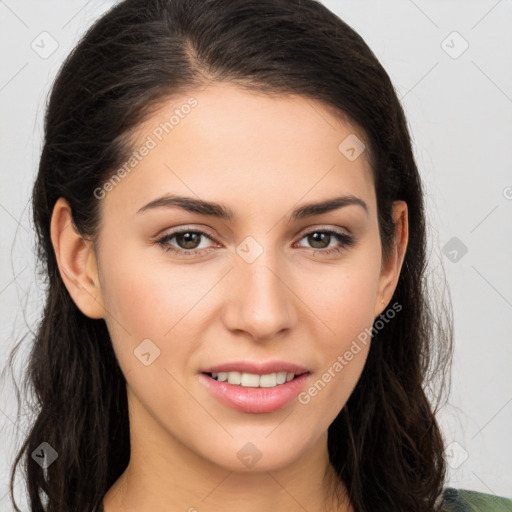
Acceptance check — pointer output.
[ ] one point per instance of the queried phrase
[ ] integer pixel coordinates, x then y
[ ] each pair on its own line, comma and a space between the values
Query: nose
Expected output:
260, 301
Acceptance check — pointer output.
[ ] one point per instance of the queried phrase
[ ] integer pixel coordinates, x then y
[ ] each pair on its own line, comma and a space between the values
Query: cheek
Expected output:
343, 358
154, 329
149, 299
344, 301
343, 296
144, 290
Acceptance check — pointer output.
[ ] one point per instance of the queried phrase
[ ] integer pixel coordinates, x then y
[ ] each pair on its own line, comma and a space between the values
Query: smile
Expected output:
253, 380
253, 393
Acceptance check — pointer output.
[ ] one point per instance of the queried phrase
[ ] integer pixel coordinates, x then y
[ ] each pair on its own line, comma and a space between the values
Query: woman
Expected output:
233, 229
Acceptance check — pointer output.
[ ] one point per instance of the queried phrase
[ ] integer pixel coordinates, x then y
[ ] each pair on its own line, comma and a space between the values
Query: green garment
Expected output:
463, 500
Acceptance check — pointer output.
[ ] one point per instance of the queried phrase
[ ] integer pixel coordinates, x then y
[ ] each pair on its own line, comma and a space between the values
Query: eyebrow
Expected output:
221, 211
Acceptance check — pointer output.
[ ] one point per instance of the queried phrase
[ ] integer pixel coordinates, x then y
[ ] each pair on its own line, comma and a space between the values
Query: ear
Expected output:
390, 269
76, 261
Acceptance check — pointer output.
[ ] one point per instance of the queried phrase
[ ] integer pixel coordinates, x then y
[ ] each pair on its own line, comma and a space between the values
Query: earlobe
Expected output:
76, 261
391, 268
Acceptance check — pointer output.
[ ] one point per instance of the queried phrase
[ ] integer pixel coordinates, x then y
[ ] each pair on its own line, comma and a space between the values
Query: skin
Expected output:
262, 156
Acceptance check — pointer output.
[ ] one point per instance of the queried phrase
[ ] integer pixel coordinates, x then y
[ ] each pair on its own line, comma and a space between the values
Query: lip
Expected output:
257, 368
255, 400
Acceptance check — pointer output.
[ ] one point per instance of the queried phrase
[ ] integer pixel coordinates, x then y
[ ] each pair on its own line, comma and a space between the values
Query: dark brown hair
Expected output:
385, 444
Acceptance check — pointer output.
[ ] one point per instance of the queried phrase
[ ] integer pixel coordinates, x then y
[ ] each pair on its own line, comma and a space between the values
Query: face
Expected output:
187, 292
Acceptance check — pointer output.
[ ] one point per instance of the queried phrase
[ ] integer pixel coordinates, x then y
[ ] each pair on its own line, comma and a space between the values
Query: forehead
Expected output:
252, 148
221, 109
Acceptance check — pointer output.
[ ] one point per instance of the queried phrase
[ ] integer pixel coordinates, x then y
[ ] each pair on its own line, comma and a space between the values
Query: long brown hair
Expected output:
385, 444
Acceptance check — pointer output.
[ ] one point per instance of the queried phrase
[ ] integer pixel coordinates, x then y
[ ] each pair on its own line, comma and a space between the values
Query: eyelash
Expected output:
347, 241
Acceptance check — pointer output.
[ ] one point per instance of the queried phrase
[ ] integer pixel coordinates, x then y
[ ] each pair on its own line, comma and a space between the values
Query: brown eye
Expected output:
188, 239
186, 242
320, 240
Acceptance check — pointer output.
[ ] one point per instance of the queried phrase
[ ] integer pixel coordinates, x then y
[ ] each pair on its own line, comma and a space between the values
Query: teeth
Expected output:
268, 381
252, 380
234, 378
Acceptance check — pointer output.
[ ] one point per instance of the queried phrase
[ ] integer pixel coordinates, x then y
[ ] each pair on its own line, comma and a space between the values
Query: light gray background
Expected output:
459, 108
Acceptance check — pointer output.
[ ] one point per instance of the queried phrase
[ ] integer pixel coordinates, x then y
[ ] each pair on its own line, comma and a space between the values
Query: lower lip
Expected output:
255, 400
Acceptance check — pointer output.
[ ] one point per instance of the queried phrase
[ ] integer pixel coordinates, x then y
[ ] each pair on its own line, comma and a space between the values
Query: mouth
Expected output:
255, 388
254, 380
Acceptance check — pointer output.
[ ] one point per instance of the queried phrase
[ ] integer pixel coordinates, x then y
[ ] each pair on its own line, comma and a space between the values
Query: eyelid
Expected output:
186, 228
313, 229
206, 231
347, 240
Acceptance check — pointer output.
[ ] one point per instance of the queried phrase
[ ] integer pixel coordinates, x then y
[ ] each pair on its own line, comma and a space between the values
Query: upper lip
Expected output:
257, 368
